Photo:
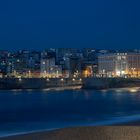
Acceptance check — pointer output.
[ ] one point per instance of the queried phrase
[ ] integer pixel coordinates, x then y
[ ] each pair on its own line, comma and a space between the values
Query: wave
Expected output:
112, 121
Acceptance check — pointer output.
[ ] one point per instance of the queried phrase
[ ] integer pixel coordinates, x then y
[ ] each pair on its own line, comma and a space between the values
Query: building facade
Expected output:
119, 64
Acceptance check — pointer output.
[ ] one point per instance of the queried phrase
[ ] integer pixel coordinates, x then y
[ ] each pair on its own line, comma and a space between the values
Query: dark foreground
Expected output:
85, 133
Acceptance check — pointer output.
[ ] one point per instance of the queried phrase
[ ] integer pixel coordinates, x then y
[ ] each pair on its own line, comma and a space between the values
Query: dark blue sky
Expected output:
38, 24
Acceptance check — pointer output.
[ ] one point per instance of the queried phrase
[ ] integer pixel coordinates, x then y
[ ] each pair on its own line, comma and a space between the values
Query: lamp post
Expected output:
133, 72
103, 72
57, 74
45, 73
29, 74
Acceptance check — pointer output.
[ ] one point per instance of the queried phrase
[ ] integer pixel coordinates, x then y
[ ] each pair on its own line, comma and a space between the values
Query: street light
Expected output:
29, 73
57, 73
20, 79
62, 79
73, 79
48, 79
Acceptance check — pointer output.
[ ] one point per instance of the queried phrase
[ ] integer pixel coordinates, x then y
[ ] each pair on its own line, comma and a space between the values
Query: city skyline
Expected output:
70, 63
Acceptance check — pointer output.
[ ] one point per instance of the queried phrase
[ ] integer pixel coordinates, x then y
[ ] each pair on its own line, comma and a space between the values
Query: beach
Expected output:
84, 133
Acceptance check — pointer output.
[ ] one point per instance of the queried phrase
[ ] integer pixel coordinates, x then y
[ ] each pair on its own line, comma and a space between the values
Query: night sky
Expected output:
39, 24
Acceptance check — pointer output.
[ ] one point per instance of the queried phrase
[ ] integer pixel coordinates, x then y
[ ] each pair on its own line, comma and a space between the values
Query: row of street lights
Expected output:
62, 79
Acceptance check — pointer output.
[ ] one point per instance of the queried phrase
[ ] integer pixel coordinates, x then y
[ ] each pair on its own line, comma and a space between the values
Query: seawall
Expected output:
86, 83
105, 83
37, 83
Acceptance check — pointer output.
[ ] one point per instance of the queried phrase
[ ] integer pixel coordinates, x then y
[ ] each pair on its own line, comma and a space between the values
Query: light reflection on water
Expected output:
63, 108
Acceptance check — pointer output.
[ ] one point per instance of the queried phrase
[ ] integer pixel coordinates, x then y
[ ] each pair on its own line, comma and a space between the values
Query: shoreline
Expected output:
73, 87
83, 133
47, 89
127, 123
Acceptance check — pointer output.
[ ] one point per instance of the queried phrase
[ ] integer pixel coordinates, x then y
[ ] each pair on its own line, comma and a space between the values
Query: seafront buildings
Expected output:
69, 63
48, 66
119, 64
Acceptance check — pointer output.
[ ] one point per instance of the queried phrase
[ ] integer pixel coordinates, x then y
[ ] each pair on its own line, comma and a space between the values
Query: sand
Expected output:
85, 133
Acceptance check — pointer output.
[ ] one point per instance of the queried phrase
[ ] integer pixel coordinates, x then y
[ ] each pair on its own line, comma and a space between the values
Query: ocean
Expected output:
25, 111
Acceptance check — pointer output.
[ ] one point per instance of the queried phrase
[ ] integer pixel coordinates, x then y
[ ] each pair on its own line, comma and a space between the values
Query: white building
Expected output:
119, 64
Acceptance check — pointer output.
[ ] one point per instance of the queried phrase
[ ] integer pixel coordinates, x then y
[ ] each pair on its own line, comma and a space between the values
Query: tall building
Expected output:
89, 66
48, 65
119, 64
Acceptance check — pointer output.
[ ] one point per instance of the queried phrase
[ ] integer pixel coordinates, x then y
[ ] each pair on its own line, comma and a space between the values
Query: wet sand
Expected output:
85, 133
